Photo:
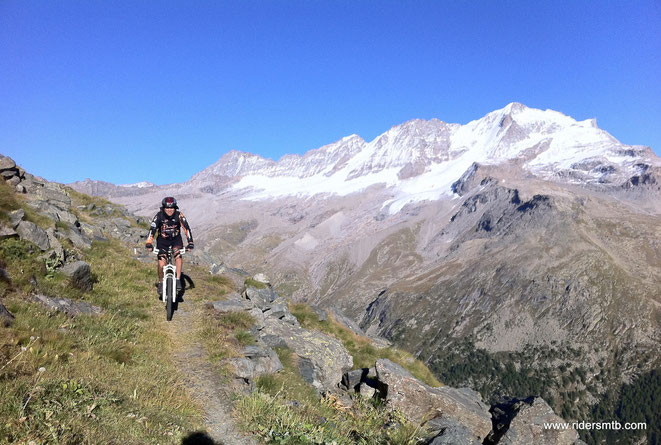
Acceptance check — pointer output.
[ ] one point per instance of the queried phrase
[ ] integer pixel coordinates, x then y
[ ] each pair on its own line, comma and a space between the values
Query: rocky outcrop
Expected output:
521, 422
70, 307
13, 174
322, 359
421, 403
257, 360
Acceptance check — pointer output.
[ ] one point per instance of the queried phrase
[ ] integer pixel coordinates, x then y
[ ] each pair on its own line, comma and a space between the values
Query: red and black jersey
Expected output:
169, 227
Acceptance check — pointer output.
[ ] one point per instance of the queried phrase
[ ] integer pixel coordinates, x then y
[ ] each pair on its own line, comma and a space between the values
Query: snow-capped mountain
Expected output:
419, 160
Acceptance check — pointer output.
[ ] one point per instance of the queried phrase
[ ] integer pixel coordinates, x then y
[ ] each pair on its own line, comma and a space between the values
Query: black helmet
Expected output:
169, 203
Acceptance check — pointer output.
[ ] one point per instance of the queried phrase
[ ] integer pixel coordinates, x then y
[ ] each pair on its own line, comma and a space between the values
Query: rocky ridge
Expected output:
451, 415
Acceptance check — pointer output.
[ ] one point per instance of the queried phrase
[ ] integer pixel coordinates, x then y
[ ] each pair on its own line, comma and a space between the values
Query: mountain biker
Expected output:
169, 222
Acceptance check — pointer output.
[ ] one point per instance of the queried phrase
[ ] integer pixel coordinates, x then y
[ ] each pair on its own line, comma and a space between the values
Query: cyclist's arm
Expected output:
153, 228
186, 228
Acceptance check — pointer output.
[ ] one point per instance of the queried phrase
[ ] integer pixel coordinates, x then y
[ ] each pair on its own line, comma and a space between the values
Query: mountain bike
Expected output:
169, 287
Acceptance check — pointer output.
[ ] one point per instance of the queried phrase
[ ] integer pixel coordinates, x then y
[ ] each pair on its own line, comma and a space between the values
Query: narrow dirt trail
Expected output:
201, 378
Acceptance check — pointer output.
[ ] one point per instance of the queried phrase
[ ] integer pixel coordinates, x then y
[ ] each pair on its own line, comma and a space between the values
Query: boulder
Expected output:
33, 233
322, 314
6, 163
9, 173
257, 360
80, 274
261, 278
261, 298
70, 307
55, 245
14, 181
420, 402
327, 357
53, 195
6, 317
527, 425
78, 239
16, 217
231, 306
20, 188
6, 232
449, 432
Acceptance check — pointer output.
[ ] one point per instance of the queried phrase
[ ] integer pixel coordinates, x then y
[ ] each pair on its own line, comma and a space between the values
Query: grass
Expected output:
250, 282
285, 409
364, 353
223, 335
89, 380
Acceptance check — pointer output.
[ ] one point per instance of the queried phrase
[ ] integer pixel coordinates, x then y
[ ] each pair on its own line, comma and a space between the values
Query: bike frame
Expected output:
169, 286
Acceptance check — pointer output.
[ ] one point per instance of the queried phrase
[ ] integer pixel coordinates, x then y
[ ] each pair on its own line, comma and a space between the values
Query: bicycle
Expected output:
169, 287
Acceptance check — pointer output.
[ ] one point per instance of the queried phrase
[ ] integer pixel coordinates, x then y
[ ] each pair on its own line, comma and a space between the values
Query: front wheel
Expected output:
169, 292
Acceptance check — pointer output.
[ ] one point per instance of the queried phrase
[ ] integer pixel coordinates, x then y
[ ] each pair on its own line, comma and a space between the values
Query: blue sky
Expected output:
125, 91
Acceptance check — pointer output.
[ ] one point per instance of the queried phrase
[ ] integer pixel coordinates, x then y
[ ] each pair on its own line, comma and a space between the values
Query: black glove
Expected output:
190, 246
149, 247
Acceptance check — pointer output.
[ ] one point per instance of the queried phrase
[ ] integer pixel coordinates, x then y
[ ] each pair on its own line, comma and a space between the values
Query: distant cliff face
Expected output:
524, 235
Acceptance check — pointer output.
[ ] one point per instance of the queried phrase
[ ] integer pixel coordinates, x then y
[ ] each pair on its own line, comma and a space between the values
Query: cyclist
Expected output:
169, 222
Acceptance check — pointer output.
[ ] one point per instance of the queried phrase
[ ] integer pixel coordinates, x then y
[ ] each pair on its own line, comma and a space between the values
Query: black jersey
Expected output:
169, 227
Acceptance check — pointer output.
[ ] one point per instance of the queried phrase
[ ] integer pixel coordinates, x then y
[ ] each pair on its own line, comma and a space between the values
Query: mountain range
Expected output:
517, 251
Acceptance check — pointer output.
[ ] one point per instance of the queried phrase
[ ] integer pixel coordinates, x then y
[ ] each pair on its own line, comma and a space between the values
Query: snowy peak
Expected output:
420, 159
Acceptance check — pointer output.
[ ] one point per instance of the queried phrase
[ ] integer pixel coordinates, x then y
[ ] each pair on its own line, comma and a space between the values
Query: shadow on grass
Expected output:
199, 438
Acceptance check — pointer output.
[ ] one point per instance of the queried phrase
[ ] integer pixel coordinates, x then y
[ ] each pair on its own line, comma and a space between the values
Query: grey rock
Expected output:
6, 317
366, 390
528, 426
419, 402
322, 314
10, 173
277, 311
14, 181
70, 307
80, 274
273, 341
231, 306
262, 298
78, 239
216, 269
16, 217
261, 278
92, 232
449, 432
257, 360
54, 196
328, 357
352, 379
258, 315
6, 163
55, 245
290, 319
33, 233
20, 188
6, 232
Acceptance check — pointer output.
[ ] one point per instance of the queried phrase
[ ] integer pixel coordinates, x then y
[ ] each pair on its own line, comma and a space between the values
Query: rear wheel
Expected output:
169, 292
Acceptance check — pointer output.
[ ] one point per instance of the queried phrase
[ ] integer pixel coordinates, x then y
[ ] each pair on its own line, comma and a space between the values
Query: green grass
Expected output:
364, 353
285, 409
254, 283
90, 380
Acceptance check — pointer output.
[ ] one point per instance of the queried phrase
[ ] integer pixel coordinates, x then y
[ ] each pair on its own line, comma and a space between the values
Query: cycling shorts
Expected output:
163, 244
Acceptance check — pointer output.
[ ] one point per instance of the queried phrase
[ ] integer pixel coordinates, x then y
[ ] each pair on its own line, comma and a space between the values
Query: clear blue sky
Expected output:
125, 91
